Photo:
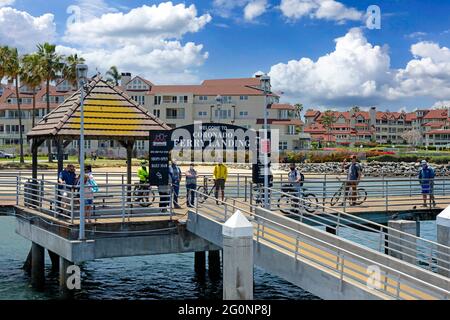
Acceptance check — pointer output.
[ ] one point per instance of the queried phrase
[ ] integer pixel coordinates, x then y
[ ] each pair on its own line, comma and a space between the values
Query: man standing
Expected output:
353, 178
191, 185
220, 177
175, 179
426, 179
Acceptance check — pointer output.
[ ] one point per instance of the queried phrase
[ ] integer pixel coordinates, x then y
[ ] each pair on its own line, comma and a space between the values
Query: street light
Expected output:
82, 71
265, 86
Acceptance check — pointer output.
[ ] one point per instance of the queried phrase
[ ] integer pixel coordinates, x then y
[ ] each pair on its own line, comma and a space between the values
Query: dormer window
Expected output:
137, 84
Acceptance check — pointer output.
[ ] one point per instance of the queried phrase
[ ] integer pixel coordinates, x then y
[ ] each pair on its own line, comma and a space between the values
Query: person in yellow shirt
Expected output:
220, 177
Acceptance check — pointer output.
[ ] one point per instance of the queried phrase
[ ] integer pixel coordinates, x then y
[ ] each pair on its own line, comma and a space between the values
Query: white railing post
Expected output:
72, 207
387, 196
123, 203
17, 190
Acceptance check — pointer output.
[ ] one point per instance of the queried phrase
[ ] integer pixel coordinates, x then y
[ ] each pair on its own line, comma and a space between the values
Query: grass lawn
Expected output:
44, 164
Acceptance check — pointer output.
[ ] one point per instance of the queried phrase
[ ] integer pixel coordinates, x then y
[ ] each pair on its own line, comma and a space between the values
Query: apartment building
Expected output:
232, 101
353, 128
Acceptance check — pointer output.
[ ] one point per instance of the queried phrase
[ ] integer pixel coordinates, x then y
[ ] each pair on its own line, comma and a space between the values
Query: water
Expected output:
149, 277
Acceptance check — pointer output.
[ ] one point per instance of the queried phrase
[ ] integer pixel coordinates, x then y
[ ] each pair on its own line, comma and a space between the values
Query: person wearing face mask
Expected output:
191, 185
426, 180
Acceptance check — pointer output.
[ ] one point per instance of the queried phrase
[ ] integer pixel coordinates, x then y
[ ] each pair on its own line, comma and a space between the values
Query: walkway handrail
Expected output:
343, 255
345, 220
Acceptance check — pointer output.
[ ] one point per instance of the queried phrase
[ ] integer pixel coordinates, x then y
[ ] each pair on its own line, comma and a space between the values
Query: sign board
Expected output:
258, 167
160, 145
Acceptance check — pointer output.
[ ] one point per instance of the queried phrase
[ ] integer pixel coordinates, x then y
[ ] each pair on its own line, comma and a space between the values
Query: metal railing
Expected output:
348, 266
379, 194
425, 253
112, 201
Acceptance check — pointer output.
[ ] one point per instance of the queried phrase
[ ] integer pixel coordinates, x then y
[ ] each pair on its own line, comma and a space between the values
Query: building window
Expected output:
224, 114
203, 98
226, 99
243, 98
243, 114
202, 114
183, 99
283, 145
139, 99
157, 100
291, 130
140, 145
175, 113
157, 113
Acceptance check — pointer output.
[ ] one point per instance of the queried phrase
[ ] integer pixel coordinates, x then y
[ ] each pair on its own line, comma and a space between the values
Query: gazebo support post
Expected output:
35, 143
60, 154
128, 145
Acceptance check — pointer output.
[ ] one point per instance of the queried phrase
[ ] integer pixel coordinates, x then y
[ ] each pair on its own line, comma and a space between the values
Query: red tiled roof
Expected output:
296, 122
279, 106
205, 90
232, 82
436, 114
434, 124
311, 113
438, 132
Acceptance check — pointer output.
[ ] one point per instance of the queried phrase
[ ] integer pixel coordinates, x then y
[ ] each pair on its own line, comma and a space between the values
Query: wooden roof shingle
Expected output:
108, 113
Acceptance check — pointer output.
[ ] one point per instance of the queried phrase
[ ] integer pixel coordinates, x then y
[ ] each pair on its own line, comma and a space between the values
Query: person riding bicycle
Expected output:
296, 179
353, 177
143, 173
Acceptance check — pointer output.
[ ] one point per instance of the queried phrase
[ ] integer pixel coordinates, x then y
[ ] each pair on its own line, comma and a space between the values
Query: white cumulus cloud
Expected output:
146, 40
251, 8
357, 72
21, 30
319, 9
254, 9
4, 3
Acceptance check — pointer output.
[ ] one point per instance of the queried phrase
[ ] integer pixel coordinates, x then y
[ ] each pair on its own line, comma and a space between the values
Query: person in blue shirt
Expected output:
68, 177
353, 178
175, 179
426, 179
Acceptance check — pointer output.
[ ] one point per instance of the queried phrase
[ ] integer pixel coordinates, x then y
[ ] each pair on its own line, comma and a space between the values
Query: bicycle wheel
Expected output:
335, 198
202, 195
284, 204
362, 196
151, 197
141, 196
310, 203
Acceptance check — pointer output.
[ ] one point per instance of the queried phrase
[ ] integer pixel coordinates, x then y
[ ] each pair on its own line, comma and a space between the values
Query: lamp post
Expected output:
265, 86
82, 71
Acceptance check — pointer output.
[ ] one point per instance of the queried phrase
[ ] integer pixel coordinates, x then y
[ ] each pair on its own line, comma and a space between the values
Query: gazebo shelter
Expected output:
109, 114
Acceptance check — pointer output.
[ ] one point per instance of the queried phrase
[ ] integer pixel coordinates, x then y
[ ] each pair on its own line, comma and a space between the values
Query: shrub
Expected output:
392, 158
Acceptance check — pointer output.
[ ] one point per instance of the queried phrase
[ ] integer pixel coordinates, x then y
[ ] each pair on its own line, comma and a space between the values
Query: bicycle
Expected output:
361, 195
203, 192
143, 194
258, 193
289, 200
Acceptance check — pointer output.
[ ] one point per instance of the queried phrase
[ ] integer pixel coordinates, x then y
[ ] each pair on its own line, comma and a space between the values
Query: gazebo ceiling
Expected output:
108, 114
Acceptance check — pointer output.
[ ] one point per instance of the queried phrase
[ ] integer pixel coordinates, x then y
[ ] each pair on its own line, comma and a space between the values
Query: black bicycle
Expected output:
205, 191
340, 195
289, 203
143, 194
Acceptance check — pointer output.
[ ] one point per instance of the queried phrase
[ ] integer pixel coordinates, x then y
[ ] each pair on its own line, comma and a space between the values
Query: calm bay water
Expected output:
149, 277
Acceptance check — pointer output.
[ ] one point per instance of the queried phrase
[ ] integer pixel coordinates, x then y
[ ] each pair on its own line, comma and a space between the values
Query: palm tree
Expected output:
32, 76
70, 68
356, 109
52, 67
328, 120
114, 75
3, 57
298, 110
12, 69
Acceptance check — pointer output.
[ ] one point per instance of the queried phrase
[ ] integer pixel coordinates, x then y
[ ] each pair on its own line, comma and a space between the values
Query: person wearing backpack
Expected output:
354, 176
296, 179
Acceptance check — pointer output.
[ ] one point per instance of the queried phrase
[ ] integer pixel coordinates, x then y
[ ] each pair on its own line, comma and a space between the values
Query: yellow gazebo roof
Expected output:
109, 113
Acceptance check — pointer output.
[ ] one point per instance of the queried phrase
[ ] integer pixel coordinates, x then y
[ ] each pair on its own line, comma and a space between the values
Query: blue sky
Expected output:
219, 40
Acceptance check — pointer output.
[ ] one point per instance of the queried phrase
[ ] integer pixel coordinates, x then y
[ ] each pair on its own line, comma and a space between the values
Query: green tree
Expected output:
328, 120
32, 76
298, 110
70, 68
12, 69
52, 68
113, 75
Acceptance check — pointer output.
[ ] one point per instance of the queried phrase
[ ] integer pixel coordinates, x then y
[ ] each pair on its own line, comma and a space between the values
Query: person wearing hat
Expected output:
426, 180
353, 177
